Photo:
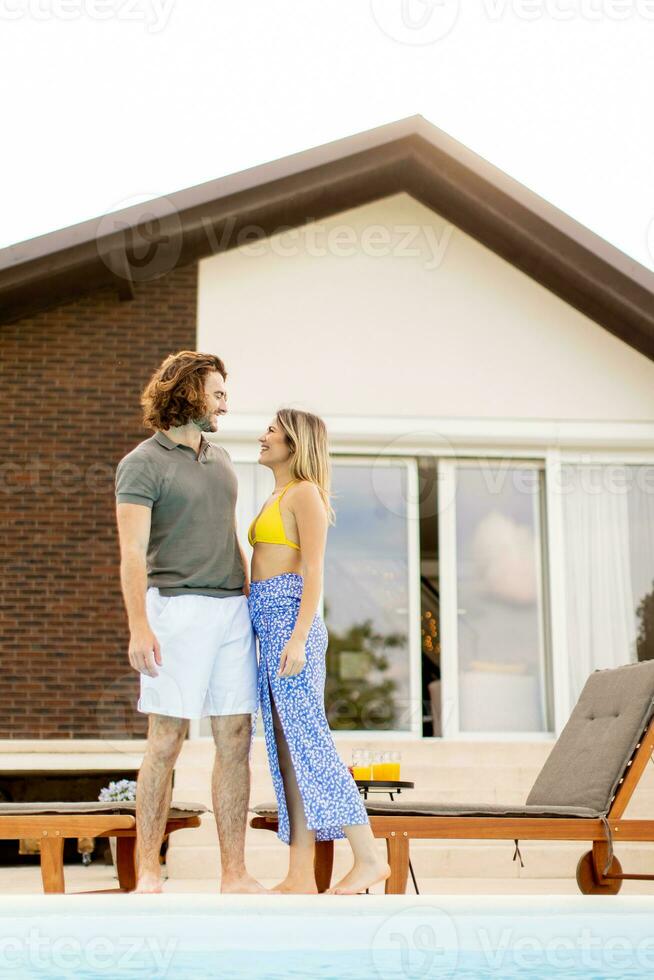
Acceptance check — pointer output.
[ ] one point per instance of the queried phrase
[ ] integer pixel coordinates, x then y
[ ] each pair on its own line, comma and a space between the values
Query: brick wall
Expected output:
70, 380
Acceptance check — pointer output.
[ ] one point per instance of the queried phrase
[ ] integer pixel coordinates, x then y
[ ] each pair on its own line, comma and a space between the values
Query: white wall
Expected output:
336, 319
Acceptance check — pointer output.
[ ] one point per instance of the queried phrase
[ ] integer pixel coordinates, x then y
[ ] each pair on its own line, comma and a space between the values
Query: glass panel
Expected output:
367, 599
501, 649
430, 602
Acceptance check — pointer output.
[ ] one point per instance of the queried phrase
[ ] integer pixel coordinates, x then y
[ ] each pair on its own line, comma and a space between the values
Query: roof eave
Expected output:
410, 155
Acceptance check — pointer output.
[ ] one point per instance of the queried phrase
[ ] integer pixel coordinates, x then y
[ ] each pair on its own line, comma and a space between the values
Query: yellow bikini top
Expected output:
268, 527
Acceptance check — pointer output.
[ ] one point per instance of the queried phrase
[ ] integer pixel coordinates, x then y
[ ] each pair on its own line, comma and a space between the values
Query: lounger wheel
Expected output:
590, 884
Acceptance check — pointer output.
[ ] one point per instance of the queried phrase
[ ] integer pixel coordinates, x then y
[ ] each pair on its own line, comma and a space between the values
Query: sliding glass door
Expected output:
486, 648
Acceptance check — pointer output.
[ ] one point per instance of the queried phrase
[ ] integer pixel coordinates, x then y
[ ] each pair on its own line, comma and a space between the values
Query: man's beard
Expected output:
204, 423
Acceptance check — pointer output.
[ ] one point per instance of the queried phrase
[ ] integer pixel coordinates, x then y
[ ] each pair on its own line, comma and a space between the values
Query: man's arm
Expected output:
134, 533
245, 562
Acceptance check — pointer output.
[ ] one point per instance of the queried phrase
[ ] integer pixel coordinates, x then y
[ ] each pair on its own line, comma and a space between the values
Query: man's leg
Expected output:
153, 794
230, 793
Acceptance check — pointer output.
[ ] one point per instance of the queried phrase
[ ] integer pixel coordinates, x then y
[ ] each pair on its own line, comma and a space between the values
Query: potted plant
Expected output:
121, 791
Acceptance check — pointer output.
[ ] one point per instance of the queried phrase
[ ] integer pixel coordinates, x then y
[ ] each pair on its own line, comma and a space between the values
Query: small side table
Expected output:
392, 787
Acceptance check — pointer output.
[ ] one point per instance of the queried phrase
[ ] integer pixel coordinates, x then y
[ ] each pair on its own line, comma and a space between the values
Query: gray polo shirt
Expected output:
193, 548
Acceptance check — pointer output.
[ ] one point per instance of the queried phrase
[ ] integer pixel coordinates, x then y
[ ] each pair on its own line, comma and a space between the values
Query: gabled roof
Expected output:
410, 155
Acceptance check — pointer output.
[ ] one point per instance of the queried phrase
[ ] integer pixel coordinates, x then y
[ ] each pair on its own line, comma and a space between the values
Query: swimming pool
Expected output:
349, 938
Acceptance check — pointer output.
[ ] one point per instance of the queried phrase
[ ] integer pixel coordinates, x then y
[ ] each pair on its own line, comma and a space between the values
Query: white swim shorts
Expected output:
209, 657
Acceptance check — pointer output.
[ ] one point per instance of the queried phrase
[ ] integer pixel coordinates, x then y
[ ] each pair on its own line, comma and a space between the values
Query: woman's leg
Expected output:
338, 810
300, 878
369, 867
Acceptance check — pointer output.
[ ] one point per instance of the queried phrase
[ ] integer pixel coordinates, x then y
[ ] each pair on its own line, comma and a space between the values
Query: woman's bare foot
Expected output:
291, 886
148, 884
360, 877
245, 885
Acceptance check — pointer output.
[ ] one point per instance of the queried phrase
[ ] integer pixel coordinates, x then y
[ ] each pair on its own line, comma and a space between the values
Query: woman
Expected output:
316, 795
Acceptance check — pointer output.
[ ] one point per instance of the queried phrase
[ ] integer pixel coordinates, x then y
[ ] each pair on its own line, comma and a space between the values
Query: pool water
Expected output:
344, 938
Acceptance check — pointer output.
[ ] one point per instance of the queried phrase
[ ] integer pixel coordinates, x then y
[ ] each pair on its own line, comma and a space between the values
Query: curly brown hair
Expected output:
174, 395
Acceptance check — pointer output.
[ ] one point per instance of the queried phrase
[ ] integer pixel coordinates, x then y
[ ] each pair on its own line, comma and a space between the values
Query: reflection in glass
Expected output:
430, 602
501, 649
366, 599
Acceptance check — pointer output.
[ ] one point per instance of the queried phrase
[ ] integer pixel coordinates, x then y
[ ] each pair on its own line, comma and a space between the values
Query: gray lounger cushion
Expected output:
26, 809
410, 809
402, 808
591, 753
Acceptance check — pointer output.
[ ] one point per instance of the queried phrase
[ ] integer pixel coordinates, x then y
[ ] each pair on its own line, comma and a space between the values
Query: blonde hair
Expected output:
306, 436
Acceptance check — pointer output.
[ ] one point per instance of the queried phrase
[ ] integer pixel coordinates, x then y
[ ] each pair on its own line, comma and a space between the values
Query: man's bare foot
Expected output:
148, 884
245, 885
293, 886
360, 877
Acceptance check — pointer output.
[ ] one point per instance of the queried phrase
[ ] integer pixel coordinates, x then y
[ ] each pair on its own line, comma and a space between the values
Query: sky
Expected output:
111, 102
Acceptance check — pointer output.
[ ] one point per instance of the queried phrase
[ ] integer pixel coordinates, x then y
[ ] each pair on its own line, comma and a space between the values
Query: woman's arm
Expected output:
311, 519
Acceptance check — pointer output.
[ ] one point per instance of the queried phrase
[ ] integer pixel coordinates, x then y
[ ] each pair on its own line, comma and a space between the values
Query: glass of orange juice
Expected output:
381, 766
361, 768
386, 766
395, 760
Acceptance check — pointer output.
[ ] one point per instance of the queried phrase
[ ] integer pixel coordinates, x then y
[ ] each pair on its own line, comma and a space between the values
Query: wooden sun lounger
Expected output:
580, 794
52, 823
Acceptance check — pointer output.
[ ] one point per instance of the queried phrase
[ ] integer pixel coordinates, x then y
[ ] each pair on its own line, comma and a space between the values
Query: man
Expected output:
184, 582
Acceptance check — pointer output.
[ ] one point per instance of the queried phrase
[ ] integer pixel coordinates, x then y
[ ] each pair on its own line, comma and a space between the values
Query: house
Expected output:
484, 365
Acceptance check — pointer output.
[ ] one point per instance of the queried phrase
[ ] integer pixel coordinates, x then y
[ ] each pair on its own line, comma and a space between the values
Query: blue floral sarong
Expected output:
329, 794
